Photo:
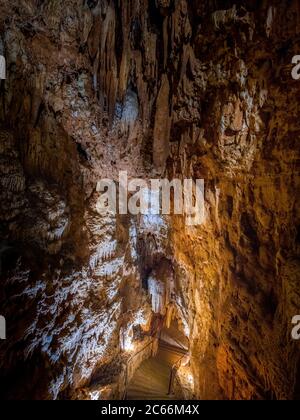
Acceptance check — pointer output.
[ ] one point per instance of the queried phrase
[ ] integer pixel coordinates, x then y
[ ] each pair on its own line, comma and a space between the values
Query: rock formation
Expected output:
157, 88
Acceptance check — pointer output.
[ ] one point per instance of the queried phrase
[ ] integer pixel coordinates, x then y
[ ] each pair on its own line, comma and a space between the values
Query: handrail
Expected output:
175, 349
151, 342
177, 379
173, 373
129, 360
174, 368
140, 351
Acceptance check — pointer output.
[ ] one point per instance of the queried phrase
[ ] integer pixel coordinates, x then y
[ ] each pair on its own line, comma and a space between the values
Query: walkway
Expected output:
151, 380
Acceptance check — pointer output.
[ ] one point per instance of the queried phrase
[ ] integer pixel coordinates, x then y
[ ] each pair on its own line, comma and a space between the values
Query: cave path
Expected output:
151, 380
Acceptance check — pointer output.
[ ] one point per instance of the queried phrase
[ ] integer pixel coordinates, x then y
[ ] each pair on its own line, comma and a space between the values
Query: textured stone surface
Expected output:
157, 88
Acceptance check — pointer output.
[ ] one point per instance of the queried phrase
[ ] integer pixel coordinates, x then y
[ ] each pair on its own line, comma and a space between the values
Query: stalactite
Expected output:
169, 315
162, 126
157, 292
223, 17
159, 88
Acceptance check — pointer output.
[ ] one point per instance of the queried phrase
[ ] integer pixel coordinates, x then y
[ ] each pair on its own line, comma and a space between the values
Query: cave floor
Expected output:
151, 380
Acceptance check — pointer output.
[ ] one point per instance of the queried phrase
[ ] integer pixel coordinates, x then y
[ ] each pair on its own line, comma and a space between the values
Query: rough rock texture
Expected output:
158, 88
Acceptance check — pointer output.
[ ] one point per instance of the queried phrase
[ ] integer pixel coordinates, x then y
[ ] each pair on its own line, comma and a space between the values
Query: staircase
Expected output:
151, 380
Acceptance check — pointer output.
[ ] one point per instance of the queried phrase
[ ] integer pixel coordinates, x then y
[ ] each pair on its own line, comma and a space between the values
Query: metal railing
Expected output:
155, 336
173, 374
129, 360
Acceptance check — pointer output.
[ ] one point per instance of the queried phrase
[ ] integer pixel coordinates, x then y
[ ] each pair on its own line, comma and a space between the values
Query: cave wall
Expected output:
157, 88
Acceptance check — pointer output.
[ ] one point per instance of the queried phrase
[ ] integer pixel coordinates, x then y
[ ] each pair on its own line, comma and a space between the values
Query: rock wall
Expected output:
158, 88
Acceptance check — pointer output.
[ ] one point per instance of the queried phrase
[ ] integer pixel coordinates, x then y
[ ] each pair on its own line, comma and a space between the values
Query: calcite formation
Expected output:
160, 89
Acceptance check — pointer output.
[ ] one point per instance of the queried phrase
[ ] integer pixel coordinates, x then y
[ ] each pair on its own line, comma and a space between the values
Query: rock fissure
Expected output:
160, 89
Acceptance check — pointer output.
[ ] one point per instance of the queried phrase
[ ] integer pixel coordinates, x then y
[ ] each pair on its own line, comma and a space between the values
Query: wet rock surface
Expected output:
159, 89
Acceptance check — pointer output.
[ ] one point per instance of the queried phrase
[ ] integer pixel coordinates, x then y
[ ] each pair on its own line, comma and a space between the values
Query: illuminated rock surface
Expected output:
159, 88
